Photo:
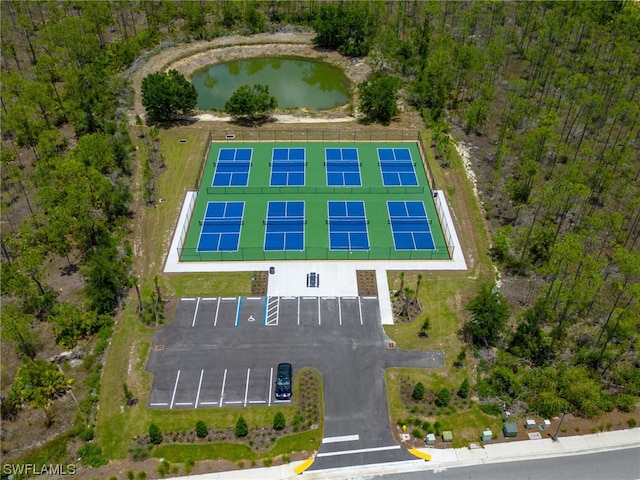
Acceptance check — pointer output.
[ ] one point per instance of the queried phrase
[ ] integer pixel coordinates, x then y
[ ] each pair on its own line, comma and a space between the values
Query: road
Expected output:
613, 465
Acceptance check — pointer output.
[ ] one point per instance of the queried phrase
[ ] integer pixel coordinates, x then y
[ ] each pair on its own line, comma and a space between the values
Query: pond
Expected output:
296, 83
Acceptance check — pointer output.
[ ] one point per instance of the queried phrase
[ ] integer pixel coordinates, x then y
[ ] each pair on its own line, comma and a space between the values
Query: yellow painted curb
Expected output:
419, 454
302, 467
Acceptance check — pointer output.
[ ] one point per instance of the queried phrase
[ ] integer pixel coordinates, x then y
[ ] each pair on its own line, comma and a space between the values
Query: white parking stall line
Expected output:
298, 310
199, 386
349, 298
370, 298
183, 404
188, 299
159, 404
234, 402
257, 401
208, 403
309, 298
195, 314
270, 383
246, 388
226, 299
361, 450
319, 319
289, 298
339, 311
209, 299
175, 388
224, 380
360, 309
254, 298
343, 438
215, 321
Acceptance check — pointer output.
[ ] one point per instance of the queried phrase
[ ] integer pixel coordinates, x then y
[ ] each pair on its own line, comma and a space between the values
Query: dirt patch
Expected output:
367, 285
259, 283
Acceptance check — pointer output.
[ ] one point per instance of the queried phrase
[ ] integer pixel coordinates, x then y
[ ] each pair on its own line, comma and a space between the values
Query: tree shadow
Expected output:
179, 121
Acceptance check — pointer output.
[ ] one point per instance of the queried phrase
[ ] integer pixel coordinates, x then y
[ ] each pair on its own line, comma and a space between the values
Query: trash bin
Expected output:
272, 270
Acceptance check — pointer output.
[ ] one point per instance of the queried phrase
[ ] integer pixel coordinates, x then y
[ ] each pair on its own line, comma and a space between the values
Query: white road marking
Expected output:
209, 299
175, 387
270, 383
228, 298
254, 298
257, 401
273, 311
339, 311
159, 404
208, 403
343, 438
309, 298
224, 380
246, 388
234, 402
349, 298
289, 298
370, 298
319, 320
178, 404
215, 321
188, 299
195, 314
361, 450
199, 386
360, 308
298, 310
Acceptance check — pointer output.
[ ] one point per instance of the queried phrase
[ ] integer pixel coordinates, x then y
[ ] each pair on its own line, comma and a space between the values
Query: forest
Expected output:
548, 91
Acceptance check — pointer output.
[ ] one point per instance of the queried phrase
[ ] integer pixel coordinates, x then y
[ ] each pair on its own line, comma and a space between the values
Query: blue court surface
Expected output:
410, 225
232, 167
284, 226
397, 167
343, 167
287, 167
347, 226
221, 226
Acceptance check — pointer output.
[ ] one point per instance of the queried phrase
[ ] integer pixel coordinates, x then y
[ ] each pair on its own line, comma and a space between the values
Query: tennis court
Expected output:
314, 201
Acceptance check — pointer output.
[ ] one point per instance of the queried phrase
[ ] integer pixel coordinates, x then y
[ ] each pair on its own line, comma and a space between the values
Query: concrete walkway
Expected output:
450, 458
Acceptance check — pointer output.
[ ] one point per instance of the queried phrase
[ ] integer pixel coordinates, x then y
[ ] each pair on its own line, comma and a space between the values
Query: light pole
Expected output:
555, 437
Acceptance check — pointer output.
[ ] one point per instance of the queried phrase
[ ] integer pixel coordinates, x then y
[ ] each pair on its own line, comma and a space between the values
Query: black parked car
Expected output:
283, 381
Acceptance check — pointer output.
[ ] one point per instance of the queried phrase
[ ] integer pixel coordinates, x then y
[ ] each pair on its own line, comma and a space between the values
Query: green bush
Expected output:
86, 434
417, 433
632, 422
418, 392
278, 421
491, 409
437, 427
91, 455
201, 429
463, 391
443, 398
626, 403
155, 435
242, 429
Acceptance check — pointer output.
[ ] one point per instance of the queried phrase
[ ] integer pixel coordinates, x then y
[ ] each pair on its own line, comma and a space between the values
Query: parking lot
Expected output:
222, 351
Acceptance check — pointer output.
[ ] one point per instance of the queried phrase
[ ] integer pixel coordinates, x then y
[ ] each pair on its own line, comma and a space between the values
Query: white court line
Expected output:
175, 387
215, 321
361, 450
224, 380
246, 389
360, 308
199, 386
343, 438
182, 404
319, 321
188, 299
159, 404
195, 314
339, 311
270, 383
208, 403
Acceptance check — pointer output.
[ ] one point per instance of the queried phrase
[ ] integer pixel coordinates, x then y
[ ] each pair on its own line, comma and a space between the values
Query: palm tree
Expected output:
418, 283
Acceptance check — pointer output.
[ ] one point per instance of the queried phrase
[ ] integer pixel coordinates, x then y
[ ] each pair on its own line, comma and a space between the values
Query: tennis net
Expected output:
347, 220
222, 221
285, 221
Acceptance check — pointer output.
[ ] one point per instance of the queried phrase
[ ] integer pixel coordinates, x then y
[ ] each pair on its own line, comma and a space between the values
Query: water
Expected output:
296, 83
